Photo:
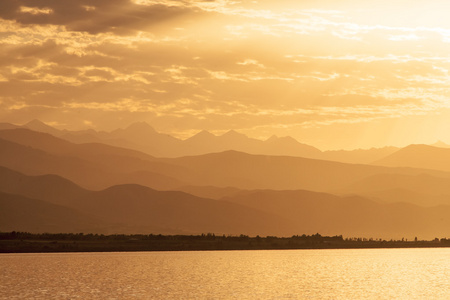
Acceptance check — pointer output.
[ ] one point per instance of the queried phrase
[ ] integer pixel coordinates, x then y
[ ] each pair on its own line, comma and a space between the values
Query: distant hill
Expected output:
4, 126
155, 211
121, 209
39, 126
43, 203
288, 146
52, 188
97, 166
246, 171
440, 144
104, 157
397, 195
419, 156
358, 156
421, 183
211, 192
19, 213
350, 216
88, 173
421, 189
55, 145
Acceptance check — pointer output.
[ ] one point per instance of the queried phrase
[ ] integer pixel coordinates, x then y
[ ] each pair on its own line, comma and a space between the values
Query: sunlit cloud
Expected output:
128, 105
35, 10
253, 62
89, 7
220, 65
17, 106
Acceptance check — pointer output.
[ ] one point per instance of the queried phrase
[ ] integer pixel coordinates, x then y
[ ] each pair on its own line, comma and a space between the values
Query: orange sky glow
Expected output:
332, 74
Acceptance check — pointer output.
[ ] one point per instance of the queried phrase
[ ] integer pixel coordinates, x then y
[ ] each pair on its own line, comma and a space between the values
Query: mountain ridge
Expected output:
142, 137
418, 156
131, 208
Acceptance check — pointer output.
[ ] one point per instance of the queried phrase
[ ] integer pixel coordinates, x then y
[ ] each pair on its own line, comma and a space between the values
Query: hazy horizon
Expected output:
50, 184
437, 143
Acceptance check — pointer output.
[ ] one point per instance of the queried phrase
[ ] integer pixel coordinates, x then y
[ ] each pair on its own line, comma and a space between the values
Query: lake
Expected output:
267, 274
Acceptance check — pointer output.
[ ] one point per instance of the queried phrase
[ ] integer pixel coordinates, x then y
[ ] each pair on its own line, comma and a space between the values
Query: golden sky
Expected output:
333, 74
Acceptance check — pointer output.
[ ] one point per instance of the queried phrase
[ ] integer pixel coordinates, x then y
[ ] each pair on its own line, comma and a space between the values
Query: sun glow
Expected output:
336, 68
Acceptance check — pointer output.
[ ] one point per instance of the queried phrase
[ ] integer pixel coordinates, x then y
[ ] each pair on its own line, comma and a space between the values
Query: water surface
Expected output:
266, 274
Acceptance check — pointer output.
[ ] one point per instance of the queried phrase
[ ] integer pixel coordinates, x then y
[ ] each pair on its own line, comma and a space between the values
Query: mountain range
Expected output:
50, 203
50, 184
142, 137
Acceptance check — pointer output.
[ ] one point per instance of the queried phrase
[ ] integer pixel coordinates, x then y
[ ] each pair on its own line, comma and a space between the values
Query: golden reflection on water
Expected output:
277, 274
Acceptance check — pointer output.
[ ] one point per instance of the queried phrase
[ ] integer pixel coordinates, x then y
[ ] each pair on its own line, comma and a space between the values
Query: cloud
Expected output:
191, 65
93, 16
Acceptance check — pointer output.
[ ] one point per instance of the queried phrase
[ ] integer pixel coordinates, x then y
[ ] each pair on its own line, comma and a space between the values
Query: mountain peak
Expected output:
40, 126
36, 123
285, 140
272, 138
203, 136
288, 139
233, 133
282, 139
140, 126
204, 133
440, 144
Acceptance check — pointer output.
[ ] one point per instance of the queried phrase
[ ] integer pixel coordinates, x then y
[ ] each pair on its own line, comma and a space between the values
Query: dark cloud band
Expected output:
95, 16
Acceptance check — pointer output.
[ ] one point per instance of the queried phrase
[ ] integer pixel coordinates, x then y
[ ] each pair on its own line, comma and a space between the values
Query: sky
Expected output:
332, 74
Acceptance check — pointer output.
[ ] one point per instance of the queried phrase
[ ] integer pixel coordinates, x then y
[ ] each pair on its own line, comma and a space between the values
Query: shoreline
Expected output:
17, 242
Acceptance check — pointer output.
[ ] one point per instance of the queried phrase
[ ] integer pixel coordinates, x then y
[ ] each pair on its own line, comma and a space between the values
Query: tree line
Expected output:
26, 242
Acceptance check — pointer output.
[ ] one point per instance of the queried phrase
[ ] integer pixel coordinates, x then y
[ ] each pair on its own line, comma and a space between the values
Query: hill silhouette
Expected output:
37, 125
440, 144
51, 144
396, 195
133, 208
422, 189
97, 166
19, 213
358, 156
419, 156
211, 192
51, 188
123, 209
4, 126
135, 166
246, 171
88, 173
150, 209
350, 216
